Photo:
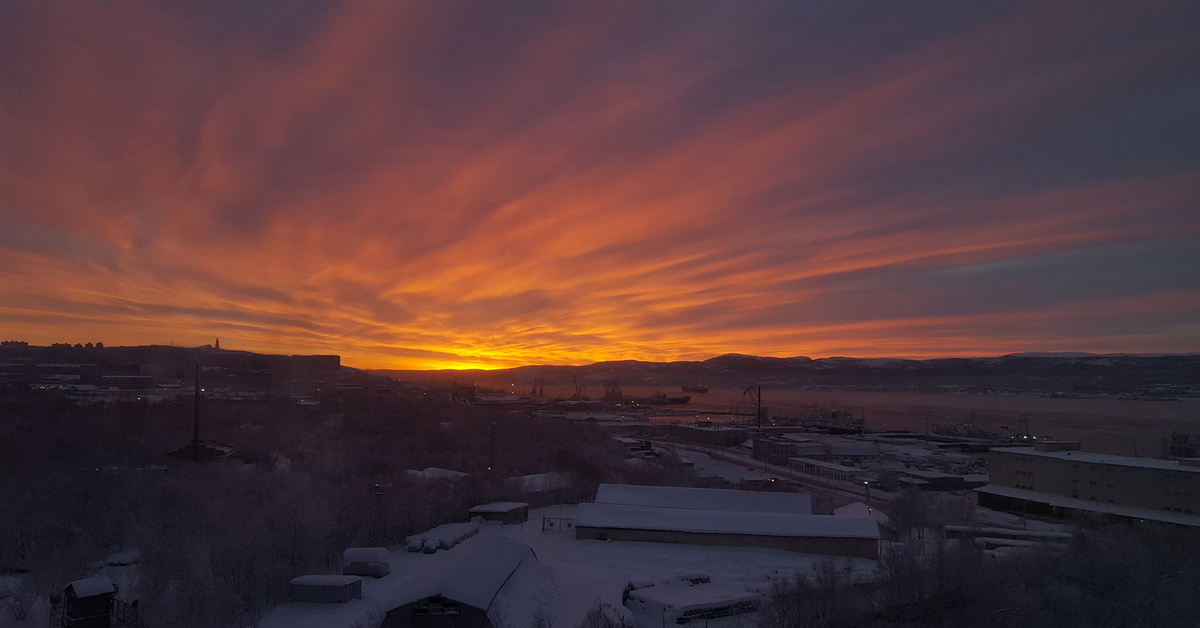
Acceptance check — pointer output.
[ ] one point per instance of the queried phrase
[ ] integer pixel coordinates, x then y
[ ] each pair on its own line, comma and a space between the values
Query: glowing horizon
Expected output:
418, 186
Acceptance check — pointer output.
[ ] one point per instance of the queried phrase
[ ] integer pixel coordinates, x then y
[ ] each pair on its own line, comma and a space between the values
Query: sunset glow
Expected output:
444, 185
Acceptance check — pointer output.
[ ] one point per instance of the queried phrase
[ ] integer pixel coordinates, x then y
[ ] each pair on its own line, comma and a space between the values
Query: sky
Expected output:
423, 185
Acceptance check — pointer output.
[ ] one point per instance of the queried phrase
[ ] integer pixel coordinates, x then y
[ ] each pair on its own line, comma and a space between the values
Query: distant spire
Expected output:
218, 344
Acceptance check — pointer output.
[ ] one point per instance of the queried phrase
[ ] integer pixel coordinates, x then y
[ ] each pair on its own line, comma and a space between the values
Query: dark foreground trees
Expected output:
215, 544
1111, 576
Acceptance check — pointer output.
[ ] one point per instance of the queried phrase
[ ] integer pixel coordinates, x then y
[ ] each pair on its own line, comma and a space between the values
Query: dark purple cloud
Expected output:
425, 184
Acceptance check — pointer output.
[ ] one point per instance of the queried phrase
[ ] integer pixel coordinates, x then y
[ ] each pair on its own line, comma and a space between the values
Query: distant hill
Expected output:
1070, 374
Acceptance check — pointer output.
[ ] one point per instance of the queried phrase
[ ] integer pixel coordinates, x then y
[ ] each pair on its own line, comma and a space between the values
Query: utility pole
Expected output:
380, 531
759, 412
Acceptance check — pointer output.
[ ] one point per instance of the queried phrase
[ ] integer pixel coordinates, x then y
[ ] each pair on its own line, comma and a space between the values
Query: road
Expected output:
840, 490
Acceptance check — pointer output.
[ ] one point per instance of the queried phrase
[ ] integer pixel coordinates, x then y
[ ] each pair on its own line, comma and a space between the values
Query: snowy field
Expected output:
584, 574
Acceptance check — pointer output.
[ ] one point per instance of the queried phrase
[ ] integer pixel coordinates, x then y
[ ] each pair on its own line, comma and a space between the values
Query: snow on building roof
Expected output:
859, 509
325, 580
827, 465
473, 575
926, 474
850, 448
528, 590
88, 587
713, 499
498, 507
1090, 457
621, 516
1088, 505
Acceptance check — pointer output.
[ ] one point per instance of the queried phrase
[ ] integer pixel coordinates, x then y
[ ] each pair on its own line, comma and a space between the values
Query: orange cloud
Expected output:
408, 186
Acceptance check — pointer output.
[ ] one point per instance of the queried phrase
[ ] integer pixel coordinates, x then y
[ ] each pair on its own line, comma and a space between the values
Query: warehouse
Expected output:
810, 534
703, 498
722, 517
484, 578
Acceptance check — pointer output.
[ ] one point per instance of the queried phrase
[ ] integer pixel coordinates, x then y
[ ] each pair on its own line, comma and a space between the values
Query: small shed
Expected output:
504, 512
366, 561
325, 589
88, 603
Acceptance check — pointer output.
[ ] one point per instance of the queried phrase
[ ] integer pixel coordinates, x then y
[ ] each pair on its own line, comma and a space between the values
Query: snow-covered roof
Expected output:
859, 509
713, 499
325, 580
1090, 457
827, 465
88, 587
847, 448
926, 474
1088, 505
497, 507
529, 589
473, 575
724, 522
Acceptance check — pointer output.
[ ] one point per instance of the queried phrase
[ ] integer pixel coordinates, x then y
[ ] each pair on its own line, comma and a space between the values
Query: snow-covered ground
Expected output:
586, 571
584, 574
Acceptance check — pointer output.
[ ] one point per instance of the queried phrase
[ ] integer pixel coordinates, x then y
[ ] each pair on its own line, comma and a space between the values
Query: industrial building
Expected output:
722, 517
703, 498
781, 448
1058, 478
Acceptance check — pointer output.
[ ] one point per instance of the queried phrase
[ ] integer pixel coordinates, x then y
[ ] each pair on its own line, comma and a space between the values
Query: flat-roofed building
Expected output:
810, 534
1070, 479
720, 499
828, 470
701, 516
715, 435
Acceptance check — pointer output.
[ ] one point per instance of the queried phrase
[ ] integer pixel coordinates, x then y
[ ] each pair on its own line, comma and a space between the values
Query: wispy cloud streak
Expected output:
413, 184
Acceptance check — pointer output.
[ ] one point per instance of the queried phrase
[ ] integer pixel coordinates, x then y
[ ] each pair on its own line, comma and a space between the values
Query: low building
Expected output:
325, 589
775, 450
938, 481
703, 516
716, 499
778, 449
366, 561
810, 534
88, 603
484, 580
716, 436
827, 470
504, 512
